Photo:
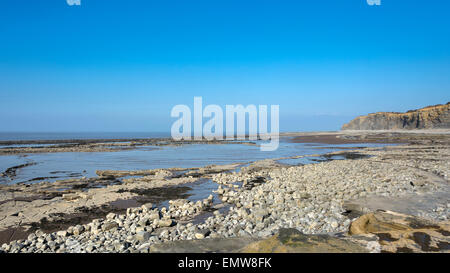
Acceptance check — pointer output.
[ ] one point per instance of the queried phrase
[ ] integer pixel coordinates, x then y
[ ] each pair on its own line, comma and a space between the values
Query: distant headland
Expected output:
430, 117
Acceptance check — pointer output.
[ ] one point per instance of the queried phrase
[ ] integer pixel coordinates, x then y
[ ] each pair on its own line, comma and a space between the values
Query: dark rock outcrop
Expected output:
430, 117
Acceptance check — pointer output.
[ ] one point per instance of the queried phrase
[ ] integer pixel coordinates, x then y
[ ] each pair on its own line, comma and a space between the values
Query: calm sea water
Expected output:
55, 166
82, 135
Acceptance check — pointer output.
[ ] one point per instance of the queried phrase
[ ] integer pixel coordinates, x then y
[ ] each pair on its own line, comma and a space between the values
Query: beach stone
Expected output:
6, 247
154, 216
201, 234
52, 245
109, 226
111, 216
165, 222
90, 248
334, 224
144, 248
260, 214
145, 221
147, 207
32, 237
77, 230
62, 233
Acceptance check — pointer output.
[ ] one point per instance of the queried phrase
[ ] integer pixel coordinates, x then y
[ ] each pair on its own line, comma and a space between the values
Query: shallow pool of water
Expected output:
55, 166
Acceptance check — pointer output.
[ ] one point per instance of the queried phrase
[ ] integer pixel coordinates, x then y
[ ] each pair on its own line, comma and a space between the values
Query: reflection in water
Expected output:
55, 166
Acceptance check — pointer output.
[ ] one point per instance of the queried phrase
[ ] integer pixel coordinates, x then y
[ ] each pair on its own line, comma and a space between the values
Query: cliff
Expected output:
430, 117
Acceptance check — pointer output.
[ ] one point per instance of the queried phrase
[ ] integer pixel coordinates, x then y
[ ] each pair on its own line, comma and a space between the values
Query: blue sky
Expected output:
112, 65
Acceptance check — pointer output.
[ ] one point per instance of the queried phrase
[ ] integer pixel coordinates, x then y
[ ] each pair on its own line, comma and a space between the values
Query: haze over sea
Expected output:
5, 136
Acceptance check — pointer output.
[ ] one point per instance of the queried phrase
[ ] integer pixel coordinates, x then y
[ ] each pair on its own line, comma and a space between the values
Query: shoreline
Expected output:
121, 144
254, 177
98, 145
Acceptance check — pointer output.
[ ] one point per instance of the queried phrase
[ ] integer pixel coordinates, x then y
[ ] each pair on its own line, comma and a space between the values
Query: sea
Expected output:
57, 166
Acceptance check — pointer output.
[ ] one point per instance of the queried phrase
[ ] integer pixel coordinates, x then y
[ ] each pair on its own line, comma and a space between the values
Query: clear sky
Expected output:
110, 65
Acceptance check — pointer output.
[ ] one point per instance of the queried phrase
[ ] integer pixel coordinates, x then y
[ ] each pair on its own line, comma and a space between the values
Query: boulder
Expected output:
293, 241
404, 233
165, 223
142, 236
109, 226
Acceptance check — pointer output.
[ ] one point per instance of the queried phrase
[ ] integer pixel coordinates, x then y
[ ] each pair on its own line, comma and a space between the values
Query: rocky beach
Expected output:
392, 198
228, 136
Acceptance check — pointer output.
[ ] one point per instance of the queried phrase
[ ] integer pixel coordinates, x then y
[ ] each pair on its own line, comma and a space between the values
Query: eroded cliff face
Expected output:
430, 117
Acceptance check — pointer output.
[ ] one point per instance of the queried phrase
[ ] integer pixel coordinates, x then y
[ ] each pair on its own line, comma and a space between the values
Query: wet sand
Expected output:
337, 139
359, 137
97, 145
